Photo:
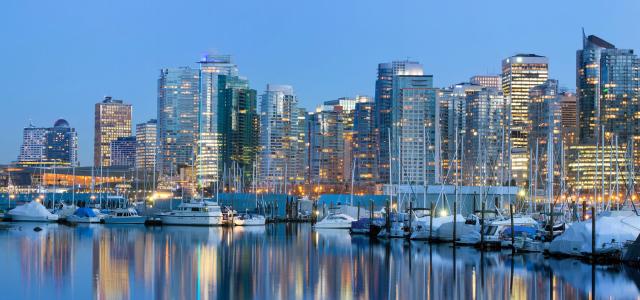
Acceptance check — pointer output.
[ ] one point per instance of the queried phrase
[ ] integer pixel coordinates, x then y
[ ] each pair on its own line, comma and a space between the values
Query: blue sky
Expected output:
58, 58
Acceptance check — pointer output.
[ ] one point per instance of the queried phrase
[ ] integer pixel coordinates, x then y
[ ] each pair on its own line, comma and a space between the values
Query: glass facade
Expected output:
146, 144
177, 118
383, 103
123, 152
415, 118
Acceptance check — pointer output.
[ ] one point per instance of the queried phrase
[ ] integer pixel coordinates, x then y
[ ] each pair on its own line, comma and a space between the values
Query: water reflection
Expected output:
279, 261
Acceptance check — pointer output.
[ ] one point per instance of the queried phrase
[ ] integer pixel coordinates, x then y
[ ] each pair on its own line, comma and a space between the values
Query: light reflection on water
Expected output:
279, 261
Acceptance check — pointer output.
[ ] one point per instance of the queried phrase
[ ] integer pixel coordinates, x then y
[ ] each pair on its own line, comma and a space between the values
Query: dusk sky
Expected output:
61, 57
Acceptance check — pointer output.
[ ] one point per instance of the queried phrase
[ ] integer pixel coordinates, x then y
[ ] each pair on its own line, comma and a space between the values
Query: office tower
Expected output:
489, 81
146, 144
123, 152
237, 129
209, 152
384, 82
415, 118
62, 144
569, 118
453, 128
348, 106
325, 130
112, 120
608, 84
520, 73
364, 150
178, 95
483, 144
281, 154
545, 118
33, 149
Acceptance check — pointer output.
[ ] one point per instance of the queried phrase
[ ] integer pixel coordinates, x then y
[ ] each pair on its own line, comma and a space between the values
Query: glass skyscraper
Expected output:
237, 128
123, 152
364, 148
415, 119
280, 131
57, 145
178, 103
384, 83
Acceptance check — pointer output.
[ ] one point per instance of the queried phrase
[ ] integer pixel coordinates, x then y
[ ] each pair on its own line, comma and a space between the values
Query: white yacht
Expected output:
124, 216
335, 221
247, 219
202, 213
32, 212
494, 233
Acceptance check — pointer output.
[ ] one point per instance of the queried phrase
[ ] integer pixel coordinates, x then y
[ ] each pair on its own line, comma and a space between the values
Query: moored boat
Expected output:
202, 213
124, 216
32, 212
248, 219
84, 215
335, 221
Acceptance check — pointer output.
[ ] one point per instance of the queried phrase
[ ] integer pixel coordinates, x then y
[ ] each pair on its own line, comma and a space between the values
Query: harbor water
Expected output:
279, 261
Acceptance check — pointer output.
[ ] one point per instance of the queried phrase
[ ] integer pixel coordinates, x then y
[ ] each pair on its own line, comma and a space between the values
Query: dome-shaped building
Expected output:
61, 123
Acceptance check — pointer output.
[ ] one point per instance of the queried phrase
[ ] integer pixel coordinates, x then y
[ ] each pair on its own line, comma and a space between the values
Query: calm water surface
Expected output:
278, 262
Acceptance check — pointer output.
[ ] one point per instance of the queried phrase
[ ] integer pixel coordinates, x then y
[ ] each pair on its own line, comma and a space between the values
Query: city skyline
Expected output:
130, 73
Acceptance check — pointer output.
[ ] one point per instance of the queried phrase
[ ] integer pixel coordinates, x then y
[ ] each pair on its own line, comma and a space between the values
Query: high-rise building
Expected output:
57, 145
415, 119
123, 152
209, 152
483, 144
146, 144
608, 88
545, 117
281, 153
178, 95
490, 81
569, 118
453, 129
384, 89
112, 120
520, 73
34, 145
62, 144
325, 134
237, 127
364, 150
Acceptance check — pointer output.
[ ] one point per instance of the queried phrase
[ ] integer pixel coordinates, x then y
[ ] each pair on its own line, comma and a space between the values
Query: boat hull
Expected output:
191, 220
20, 218
125, 220
84, 220
321, 225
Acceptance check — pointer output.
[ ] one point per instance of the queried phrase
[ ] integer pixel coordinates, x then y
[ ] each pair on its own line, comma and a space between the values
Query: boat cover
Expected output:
85, 212
31, 209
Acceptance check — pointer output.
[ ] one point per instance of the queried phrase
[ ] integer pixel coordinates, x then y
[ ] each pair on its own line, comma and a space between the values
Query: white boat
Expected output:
124, 216
613, 230
203, 213
420, 230
335, 221
84, 215
247, 219
32, 212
